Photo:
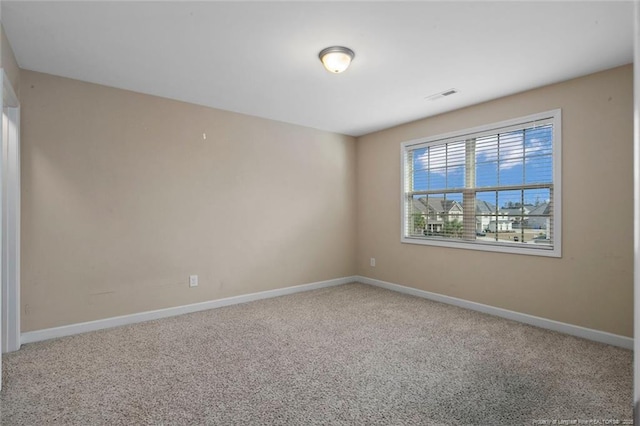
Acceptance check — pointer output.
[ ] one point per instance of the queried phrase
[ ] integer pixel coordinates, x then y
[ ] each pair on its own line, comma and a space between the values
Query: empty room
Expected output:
293, 213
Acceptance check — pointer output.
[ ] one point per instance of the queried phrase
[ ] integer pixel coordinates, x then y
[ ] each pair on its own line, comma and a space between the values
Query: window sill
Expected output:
532, 249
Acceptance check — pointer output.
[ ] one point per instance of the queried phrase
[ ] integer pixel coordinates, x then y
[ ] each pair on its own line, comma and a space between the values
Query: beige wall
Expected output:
592, 284
123, 199
8, 61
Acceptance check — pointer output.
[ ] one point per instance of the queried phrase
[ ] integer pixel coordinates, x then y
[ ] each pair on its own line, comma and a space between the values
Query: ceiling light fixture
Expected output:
336, 58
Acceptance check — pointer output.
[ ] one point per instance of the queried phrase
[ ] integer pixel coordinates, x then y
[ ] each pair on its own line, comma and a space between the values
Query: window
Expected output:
493, 188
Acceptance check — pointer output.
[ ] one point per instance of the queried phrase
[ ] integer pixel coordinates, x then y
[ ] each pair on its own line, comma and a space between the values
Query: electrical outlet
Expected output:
193, 281
372, 262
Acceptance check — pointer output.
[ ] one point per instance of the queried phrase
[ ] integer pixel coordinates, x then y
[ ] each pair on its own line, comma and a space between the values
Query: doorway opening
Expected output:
10, 218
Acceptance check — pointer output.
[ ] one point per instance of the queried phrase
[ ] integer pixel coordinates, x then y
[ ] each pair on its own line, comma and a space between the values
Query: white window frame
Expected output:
555, 117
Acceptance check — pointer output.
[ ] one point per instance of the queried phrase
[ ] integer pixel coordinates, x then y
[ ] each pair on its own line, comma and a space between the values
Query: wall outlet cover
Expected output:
193, 280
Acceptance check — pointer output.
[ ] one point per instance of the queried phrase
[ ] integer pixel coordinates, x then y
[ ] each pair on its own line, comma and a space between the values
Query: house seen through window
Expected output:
493, 188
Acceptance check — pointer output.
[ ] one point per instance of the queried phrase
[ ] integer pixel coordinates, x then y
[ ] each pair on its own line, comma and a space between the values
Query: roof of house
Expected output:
484, 207
517, 211
419, 206
544, 208
439, 204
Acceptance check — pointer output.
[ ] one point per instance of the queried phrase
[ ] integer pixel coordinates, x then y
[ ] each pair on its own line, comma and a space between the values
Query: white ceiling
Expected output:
260, 58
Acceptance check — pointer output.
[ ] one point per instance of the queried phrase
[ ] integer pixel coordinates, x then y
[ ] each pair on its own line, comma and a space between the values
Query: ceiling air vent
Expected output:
441, 95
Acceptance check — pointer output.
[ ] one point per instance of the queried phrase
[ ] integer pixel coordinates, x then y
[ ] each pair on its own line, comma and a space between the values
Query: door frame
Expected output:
10, 217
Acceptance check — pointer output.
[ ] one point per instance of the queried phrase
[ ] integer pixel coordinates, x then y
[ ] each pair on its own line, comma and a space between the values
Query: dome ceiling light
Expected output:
336, 59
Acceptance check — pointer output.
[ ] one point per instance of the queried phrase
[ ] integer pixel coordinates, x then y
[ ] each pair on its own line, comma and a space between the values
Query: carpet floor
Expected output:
346, 355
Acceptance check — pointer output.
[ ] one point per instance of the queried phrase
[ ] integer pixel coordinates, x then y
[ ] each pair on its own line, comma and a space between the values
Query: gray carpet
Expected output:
352, 354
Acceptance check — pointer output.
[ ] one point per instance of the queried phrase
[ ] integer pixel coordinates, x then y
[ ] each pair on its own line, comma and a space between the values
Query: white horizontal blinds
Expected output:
532, 124
493, 186
518, 164
411, 210
456, 160
435, 197
443, 214
419, 166
438, 168
414, 225
537, 222
515, 158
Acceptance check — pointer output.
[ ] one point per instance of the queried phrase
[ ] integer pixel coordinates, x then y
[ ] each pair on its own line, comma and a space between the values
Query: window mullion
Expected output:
469, 195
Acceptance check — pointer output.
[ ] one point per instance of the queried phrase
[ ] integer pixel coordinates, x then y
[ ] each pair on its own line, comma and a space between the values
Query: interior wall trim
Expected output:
574, 330
84, 327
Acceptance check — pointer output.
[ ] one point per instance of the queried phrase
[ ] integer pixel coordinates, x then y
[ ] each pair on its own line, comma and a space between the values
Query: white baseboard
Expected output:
68, 330
574, 330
